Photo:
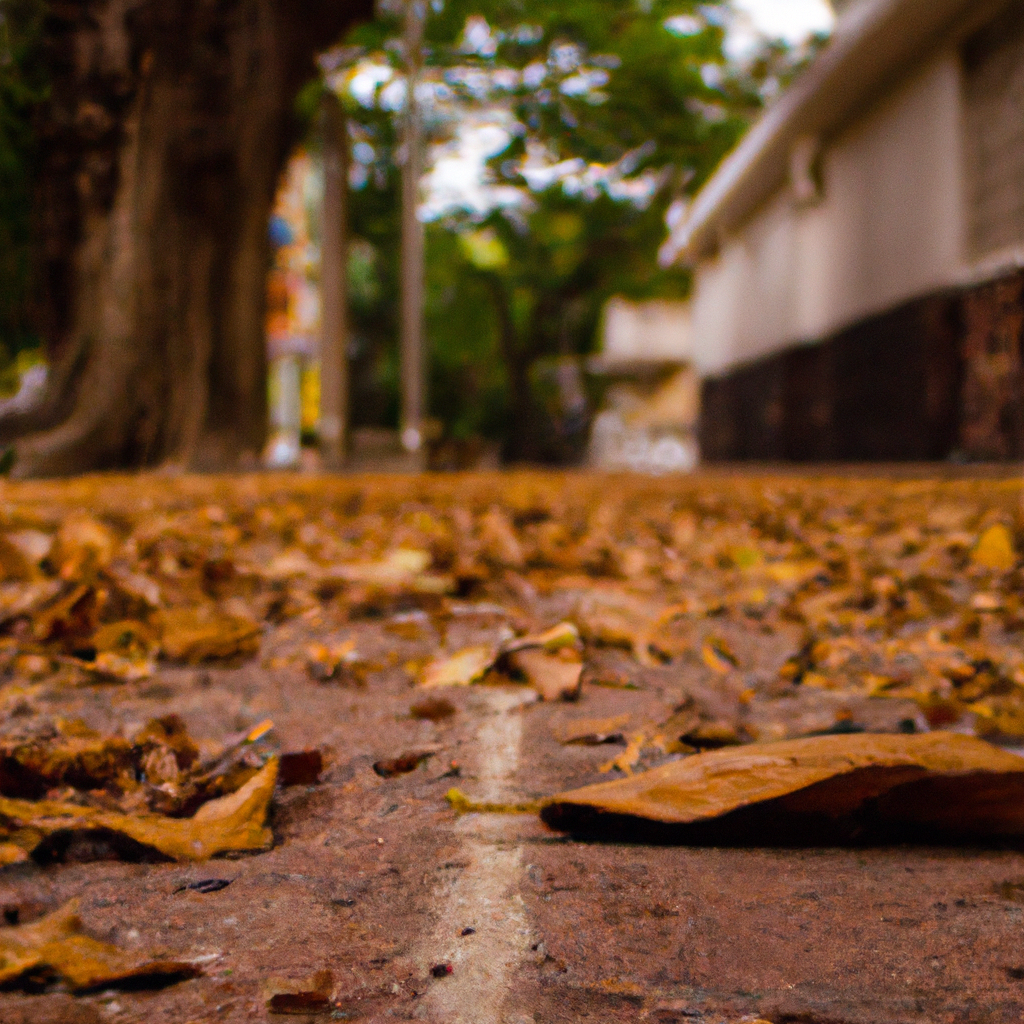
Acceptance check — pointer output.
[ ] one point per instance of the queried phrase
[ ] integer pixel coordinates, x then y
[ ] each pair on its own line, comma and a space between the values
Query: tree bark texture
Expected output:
167, 129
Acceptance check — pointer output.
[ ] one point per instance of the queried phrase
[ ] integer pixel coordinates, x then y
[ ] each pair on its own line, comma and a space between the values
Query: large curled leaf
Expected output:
826, 787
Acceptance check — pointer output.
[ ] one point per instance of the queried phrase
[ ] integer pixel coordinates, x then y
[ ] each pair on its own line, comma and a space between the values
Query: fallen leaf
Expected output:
462, 669
934, 785
83, 545
629, 758
994, 549
793, 573
114, 667
15, 564
34, 545
329, 663
11, 854
401, 569
554, 677
564, 635
56, 944
499, 543
388, 768
591, 732
197, 634
718, 656
70, 621
462, 804
617, 618
232, 823
299, 996
432, 709
128, 638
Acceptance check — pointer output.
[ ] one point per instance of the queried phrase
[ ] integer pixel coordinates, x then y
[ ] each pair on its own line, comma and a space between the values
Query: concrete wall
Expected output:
890, 225
645, 331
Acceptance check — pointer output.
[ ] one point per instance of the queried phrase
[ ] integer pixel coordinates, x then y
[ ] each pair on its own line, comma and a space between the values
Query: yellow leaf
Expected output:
718, 657
83, 545
565, 634
11, 853
994, 550
462, 804
788, 573
746, 557
460, 669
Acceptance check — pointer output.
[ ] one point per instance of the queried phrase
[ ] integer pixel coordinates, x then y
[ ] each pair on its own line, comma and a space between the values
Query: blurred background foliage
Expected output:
611, 116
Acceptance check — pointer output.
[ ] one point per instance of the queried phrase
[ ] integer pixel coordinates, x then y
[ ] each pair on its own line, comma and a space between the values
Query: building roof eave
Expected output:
872, 43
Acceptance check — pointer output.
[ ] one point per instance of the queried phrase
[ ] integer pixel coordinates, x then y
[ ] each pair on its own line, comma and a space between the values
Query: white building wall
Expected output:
639, 331
890, 226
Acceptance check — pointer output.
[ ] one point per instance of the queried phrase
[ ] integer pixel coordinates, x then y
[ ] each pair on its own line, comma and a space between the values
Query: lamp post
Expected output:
334, 384
412, 349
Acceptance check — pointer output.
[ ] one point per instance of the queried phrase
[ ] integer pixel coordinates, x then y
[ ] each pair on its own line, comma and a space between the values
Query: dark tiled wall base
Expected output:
939, 377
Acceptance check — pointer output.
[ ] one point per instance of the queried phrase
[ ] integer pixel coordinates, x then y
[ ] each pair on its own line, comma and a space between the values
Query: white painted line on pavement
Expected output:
485, 897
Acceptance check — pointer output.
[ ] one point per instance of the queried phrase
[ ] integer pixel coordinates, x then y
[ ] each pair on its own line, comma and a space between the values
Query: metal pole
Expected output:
334, 287
412, 349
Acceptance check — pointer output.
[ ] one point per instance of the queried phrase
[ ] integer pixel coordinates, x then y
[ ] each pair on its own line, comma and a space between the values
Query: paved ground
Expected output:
377, 881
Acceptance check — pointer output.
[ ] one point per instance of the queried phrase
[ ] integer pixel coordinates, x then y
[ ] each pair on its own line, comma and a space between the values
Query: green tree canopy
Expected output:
607, 113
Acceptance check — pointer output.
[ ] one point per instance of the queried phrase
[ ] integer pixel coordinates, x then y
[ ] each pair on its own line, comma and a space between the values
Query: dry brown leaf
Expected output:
565, 634
937, 783
553, 676
629, 758
83, 545
591, 732
499, 543
20, 600
462, 804
205, 633
11, 854
403, 567
310, 995
56, 944
793, 573
33, 544
617, 618
15, 565
462, 669
232, 823
326, 663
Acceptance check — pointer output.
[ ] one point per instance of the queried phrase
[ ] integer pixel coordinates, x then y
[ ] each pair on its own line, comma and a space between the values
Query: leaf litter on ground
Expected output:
782, 606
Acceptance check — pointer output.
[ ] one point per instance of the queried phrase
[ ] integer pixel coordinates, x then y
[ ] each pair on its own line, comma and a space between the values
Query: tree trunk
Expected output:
167, 128
523, 443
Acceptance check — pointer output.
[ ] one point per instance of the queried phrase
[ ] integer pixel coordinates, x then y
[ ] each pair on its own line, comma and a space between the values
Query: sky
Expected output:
792, 20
